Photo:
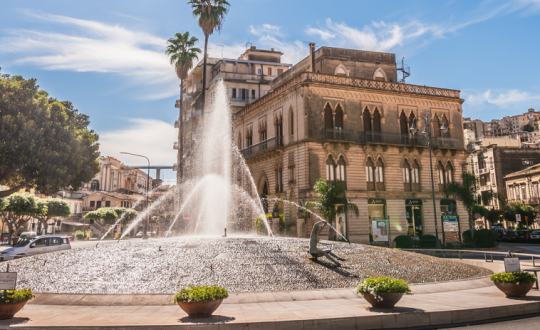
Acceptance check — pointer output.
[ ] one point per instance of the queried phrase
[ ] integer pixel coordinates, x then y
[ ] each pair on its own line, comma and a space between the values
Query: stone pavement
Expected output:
432, 304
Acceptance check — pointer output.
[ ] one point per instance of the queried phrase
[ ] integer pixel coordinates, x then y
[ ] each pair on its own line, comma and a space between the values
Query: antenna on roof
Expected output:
404, 68
248, 43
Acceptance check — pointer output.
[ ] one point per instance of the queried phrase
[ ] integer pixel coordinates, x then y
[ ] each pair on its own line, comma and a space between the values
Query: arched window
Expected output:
379, 175
379, 76
367, 120
330, 167
341, 72
445, 122
376, 121
370, 176
406, 168
279, 179
279, 130
328, 117
436, 127
415, 176
292, 125
404, 128
95, 185
412, 119
340, 169
449, 173
339, 118
440, 172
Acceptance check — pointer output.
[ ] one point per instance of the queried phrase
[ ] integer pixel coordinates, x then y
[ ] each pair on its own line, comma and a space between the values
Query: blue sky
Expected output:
107, 56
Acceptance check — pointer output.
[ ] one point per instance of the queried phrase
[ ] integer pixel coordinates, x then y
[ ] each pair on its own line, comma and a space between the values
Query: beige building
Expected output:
340, 114
114, 176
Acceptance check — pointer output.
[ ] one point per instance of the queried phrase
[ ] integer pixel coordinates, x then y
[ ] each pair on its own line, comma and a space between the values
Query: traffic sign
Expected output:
187, 218
538, 216
477, 216
518, 217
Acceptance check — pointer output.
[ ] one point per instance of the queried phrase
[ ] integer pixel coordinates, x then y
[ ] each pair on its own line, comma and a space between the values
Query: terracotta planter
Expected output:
388, 299
200, 308
514, 290
7, 311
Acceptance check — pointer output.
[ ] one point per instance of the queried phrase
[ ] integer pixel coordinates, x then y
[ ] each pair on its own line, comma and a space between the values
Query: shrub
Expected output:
427, 241
378, 285
15, 296
282, 225
404, 241
260, 227
484, 238
80, 235
201, 293
515, 277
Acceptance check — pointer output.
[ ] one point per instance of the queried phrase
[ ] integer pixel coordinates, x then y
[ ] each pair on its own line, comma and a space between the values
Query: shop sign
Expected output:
376, 201
413, 201
511, 265
380, 230
451, 228
8, 281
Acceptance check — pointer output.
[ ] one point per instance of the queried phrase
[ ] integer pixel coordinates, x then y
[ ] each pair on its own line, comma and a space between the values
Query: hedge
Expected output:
427, 241
484, 238
404, 242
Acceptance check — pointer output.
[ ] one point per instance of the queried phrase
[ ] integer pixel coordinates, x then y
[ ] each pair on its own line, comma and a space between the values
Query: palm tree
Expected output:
211, 15
466, 192
331, 200
182, 52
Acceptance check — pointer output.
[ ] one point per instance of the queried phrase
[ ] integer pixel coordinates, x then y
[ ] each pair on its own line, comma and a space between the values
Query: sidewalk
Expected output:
420, 309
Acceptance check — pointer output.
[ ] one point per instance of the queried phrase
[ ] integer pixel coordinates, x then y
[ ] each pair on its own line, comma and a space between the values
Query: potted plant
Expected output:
383, 292
200, 301
515, 284
12, 301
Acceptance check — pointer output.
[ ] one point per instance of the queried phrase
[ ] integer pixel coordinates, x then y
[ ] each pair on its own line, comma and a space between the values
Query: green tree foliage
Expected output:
44, 143
528, 128
109, 215
466, 192
210, 15
525, 210
18, 209
260, 227
331, 199
493, 216
404, 242
484, 238
55, 208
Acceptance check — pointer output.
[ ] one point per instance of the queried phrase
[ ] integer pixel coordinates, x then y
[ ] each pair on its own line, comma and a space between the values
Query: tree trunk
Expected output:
181, 161
471, 224
203, 94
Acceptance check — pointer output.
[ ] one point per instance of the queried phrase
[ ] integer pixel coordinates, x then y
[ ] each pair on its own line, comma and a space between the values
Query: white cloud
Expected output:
265, 30
149, 137
323, 34
501, 99
96, 47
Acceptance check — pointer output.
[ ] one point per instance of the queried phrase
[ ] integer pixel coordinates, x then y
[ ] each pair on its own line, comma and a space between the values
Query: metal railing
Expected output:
460, 253
410, 140
262, 146
338, 134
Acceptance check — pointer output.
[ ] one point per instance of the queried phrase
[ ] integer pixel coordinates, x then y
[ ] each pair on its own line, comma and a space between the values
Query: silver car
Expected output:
30, 246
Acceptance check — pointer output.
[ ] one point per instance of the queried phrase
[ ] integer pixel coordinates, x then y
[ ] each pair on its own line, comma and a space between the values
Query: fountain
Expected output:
224, 203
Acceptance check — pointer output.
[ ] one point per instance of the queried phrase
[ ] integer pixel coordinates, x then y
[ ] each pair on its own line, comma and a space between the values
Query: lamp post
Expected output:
427, 132
145, 236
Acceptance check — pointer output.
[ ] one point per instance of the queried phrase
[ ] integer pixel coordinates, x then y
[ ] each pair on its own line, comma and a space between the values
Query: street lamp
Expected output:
145, 236
427, 132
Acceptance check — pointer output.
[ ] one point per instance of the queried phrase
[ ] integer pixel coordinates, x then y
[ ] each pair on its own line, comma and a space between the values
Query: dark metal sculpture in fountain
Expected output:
314, 251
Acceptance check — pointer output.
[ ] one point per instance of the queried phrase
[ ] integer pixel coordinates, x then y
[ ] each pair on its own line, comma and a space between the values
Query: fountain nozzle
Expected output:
225, 233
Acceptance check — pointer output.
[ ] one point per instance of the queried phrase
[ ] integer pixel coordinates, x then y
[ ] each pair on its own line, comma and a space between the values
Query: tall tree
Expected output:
55, 208
466, 192
211, 15
44, 143
331, 199
109, 215
182, 52
18, 209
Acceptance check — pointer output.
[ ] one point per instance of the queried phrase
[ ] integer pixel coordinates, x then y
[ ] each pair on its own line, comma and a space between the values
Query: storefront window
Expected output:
448, 207
413, 213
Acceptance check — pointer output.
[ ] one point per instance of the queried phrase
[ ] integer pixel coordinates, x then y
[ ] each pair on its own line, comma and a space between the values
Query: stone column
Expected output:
301, 228
275, 226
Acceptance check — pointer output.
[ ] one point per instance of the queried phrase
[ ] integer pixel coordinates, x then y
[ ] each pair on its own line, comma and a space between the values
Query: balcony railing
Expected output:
262, 146
246, 99
338, 134
410, 140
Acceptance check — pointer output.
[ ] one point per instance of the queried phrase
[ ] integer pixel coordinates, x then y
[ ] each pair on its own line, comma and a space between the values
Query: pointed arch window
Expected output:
404, 128
376, 121
279, 179
370, 175
340, 169
339, 118
341, 72
367, 120
330, 166
445, 122
328, 117
291, 116
449, 173
379, 175
279, 130
436, 127
406, 168
415, 176
379, 76
95, 185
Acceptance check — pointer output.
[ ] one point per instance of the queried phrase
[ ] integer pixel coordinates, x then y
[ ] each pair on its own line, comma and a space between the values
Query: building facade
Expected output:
114, 176
340, 114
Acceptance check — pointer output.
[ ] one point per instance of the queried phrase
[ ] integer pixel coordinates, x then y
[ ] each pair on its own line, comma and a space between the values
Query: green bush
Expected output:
484, 238
15, 296
404, 242
201, 293
282, 226
515, 277
260, 227
81, 235
378, 285
427, 241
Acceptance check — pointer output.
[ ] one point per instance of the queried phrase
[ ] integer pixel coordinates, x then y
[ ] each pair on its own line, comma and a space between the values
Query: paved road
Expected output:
528, 323
533, 248
83, 244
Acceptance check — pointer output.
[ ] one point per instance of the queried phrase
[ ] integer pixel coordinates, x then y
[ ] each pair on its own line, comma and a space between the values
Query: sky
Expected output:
107, 57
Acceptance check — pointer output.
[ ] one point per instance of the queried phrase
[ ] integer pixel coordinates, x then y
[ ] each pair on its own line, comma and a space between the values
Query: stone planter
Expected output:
513, 289
388, 299
7, 311
200, 308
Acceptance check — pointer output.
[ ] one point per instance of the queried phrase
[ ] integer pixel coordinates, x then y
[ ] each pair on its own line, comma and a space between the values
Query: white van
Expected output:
30, 246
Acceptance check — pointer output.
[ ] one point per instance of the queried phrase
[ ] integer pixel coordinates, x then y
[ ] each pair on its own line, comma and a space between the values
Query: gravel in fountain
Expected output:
240, 264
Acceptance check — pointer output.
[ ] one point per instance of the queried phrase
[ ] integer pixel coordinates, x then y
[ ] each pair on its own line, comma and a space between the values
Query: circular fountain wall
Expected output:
242, 264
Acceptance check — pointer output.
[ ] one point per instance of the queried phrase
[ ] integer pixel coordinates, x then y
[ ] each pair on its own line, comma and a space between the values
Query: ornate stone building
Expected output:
340, 114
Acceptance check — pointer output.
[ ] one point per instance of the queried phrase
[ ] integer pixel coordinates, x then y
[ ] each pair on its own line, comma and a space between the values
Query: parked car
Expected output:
534, 235
29, 246
139, 234
517, 235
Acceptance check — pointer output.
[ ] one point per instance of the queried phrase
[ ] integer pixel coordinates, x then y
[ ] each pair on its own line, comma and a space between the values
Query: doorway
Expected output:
414, 220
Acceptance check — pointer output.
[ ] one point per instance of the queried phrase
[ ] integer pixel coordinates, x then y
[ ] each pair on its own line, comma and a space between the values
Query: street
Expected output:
526, 323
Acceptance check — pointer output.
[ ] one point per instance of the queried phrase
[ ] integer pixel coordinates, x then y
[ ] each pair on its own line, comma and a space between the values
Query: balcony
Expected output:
338, 134
263, 146
409, 140
175, 146
483, 170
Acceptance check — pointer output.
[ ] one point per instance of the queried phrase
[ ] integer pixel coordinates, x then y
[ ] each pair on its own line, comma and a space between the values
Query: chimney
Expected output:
312, 54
